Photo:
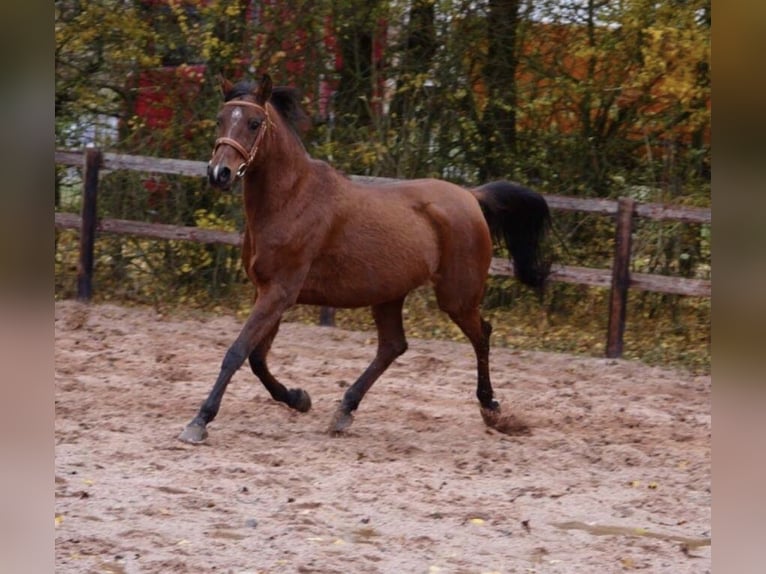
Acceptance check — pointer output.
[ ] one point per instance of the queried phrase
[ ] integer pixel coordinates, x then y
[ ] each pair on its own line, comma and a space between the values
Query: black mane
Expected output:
285, 100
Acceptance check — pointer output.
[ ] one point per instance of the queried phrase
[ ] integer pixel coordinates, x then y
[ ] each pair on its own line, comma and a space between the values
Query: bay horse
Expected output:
314, 236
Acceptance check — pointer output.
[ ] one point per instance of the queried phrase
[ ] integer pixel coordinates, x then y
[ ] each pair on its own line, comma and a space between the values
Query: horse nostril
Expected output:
218, 176
224, 175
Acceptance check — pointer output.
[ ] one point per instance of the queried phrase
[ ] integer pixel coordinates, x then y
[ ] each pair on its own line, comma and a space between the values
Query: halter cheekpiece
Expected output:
247, 156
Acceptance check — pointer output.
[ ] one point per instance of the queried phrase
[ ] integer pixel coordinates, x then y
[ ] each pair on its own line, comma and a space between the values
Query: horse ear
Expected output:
225, 85
263, 92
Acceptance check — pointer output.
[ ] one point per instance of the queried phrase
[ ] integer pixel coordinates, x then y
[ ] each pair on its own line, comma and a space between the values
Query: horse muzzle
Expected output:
220, 176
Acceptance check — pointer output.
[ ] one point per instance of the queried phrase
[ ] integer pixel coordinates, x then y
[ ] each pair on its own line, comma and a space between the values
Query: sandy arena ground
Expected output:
613, 477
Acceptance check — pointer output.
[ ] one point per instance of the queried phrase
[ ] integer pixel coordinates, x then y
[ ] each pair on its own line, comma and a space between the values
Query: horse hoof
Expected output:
300, 400
508, 424
193, 434
340, 422
493, 406
490, 415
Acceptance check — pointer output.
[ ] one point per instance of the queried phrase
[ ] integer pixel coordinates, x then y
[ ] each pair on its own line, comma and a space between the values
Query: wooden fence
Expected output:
618, 279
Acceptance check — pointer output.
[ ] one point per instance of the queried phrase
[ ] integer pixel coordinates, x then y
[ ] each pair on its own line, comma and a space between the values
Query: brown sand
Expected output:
611, 473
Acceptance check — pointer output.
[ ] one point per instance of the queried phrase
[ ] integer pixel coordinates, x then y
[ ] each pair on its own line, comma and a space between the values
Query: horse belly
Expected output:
373, 268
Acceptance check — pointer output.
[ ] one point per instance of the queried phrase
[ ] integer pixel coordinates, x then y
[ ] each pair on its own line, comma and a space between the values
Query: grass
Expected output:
671, 331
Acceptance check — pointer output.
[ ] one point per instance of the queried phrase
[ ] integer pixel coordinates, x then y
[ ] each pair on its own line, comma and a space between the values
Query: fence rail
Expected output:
619, 278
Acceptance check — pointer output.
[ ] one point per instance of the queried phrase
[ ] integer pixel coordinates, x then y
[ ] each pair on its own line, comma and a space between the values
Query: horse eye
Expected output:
254, 123
218, 121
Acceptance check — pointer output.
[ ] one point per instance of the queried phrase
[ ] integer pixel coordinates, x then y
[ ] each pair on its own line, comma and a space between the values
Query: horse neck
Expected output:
282, 161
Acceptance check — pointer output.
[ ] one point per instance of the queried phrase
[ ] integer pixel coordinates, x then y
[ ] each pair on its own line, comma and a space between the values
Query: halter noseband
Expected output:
247, 156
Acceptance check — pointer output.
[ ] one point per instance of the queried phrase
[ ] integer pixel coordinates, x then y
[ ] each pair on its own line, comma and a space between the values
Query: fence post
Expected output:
327, 316
88, 225
618, 295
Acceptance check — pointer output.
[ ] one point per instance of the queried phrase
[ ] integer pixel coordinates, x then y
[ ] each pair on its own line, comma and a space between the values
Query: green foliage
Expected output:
572, 319
592, 99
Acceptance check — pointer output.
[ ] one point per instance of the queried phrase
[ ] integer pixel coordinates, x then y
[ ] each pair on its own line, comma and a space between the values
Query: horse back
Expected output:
385, 240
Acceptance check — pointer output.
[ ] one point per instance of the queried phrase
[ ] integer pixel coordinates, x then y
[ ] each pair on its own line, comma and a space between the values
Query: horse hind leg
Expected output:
391, 344
478, 332
297, 399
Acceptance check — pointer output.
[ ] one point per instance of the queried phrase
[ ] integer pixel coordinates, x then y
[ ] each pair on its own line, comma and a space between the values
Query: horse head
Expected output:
242, 123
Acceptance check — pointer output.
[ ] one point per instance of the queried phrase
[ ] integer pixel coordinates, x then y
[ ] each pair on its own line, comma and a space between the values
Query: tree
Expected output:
584, 97
357, 26
498, 122
97, 45
606, 83
412, 116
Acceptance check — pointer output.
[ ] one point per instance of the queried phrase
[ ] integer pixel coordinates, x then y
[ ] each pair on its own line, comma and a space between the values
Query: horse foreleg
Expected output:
263, 319
297, 399
391, 344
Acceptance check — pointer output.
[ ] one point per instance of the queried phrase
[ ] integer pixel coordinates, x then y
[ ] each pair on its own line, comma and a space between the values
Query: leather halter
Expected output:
248, 156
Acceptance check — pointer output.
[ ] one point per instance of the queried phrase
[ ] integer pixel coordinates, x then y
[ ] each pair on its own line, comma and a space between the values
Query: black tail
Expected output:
520, 218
